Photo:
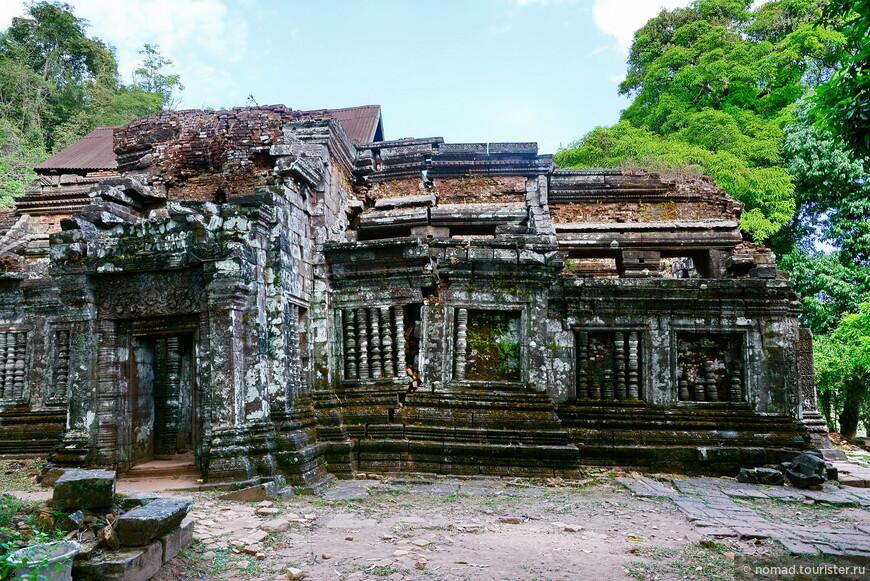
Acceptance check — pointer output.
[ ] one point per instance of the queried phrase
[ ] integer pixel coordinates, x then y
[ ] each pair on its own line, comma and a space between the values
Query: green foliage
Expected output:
57, 84
843, 371
713, 87
767, 192
150, 78
844, 100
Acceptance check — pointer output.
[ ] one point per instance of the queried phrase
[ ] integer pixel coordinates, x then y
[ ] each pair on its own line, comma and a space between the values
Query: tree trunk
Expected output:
852, 399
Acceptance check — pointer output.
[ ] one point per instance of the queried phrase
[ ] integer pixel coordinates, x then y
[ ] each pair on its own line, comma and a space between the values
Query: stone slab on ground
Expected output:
85, 489
141, 525
176, 541
257, 493
138, 564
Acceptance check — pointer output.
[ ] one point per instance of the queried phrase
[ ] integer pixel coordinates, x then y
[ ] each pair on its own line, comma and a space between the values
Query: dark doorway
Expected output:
162, 397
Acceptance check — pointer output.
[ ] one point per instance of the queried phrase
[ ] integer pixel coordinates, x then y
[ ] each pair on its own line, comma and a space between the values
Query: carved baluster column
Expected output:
683, 388
582, 365
400, 341
737, 382
710, 382
387, 342
3, 393
363, 343
619, 363
61, 378
18, 381
374, 317
633, 366
9, 375
349, 317
461, 343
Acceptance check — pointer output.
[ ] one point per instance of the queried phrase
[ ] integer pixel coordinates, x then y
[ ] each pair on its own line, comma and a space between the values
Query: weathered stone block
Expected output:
806, 470
748, 476
176, 541
139, 526
131, 500
769, 476
124, 565
88, 489
258, 493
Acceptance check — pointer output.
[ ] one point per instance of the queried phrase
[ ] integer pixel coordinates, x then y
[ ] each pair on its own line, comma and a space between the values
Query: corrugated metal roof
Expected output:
360, 123
92, 152
95, 150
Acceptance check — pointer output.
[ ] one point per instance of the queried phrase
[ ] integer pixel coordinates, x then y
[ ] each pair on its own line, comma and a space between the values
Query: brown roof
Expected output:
91, 152
95, 150
362, 124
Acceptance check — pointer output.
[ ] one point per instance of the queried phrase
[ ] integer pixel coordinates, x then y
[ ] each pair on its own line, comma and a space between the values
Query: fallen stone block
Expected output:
71, 522
125, 565
131, 500
141, 525
258, 493
176, 541
806, 470
769, 476
747, 476
86, 489
49, 478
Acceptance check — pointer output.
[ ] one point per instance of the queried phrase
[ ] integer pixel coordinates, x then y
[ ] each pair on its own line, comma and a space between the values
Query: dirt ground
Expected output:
424, 527
465, 530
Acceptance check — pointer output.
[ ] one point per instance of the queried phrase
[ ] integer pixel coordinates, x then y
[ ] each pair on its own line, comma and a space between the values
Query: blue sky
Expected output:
473, 70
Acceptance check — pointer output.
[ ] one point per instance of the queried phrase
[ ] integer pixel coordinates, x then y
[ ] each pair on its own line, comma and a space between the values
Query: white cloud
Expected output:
621, 18
179, 27
597, 50
9, 9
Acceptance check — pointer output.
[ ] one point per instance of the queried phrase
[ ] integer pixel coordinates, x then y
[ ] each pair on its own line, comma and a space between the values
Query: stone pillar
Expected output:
387, 342
399, 313
363, 343
374, 317
582, 365
619, 364
633, 366
350, 370
461, 344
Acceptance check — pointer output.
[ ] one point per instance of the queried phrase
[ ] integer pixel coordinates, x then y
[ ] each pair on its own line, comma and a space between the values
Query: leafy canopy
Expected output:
713, 85
57, 84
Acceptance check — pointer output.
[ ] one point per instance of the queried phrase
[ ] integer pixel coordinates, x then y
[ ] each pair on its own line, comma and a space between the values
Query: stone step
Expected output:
181, 465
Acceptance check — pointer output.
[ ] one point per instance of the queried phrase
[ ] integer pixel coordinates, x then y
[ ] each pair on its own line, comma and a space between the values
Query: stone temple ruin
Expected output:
283, 292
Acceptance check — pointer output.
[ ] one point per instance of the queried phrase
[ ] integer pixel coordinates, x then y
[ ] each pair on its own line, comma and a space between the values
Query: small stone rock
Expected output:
72, 521
395, 577
572, 529
276, 525
266, 504
770, 476
325, 556
268, 511
400, 552
294, 574
421, 542
510, 520
348, 538
109, 539
747, 476
361, 476
260, 556
310, 516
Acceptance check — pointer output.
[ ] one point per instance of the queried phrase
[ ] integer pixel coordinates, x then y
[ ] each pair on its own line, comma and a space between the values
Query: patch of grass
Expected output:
703, 561
9, 506
18, 475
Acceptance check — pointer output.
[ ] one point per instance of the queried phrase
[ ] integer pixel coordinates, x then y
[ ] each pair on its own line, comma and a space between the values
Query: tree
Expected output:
843, 371
843, 102
716, 81
149, 77
57, 84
